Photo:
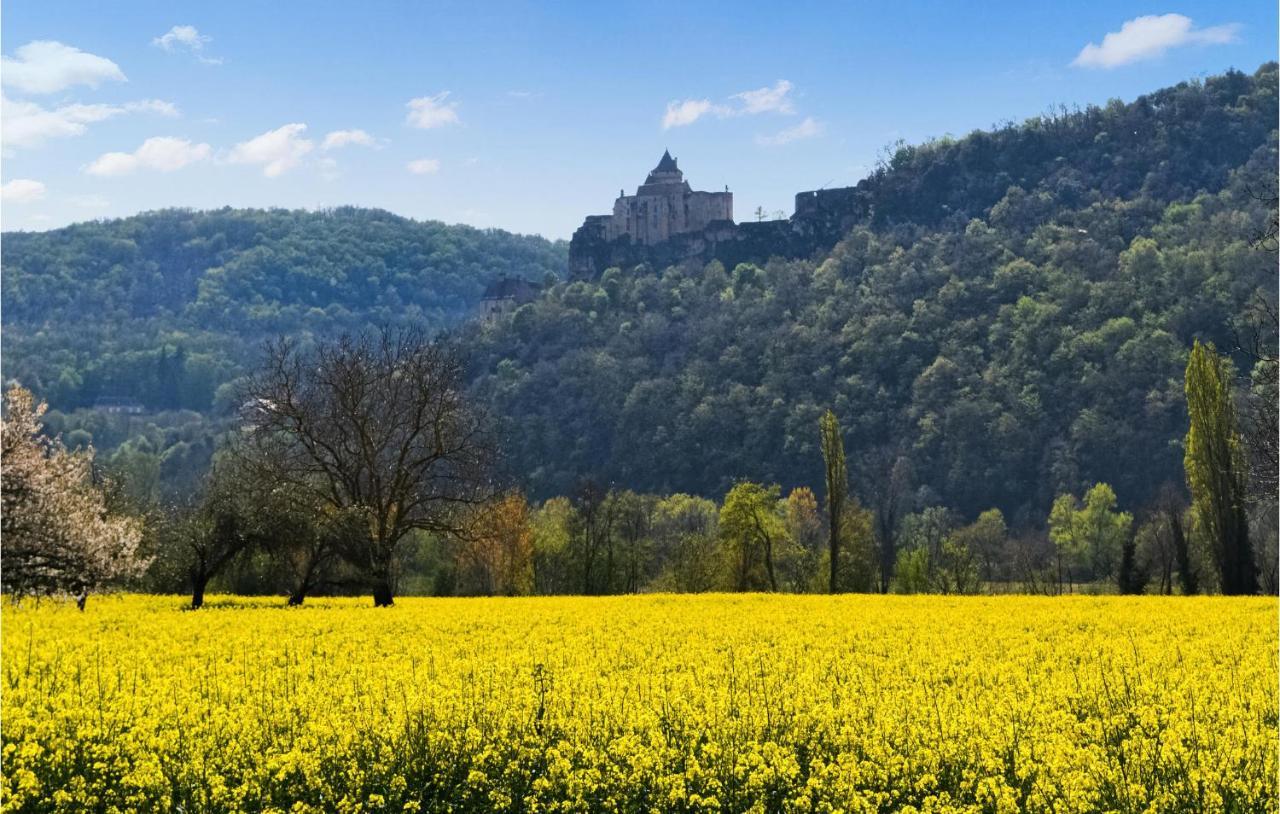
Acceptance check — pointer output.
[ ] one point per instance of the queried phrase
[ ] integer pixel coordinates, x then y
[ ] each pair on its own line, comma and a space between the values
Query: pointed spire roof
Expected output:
667, 164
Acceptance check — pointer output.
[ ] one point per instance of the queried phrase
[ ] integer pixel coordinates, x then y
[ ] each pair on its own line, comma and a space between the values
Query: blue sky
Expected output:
528, 116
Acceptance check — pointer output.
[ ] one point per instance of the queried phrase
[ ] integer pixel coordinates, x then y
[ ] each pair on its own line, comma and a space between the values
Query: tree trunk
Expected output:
382, 591
834, 546
768, 563
1187, 576
296, 597
198, 583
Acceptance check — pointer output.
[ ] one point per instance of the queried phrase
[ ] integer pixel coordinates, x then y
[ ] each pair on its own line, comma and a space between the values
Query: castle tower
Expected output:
664, 207
665, 174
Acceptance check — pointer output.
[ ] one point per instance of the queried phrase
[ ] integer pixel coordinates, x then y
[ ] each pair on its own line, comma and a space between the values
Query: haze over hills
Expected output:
1007, 318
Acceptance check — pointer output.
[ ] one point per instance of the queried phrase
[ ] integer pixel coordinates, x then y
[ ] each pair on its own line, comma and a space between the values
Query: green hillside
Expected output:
166, 306
1009, 322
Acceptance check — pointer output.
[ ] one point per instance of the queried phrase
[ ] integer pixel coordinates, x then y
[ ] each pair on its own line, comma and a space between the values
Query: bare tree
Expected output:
214, 534
591, 536
1255, 338
887, 476
371, 425
1170, 511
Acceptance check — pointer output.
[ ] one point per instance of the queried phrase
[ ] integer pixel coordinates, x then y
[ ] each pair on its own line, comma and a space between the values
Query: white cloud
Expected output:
767, 100
1149, 37
341, 138
22, 190
808, 128
186, 38
27, 125
46, 66
774, 99
159, 106
427, 112
162, 153
181, 36
277, 150
423, 166
689, 111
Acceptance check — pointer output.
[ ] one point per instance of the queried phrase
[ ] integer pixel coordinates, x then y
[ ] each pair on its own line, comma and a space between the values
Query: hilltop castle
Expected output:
667, 222
663, 206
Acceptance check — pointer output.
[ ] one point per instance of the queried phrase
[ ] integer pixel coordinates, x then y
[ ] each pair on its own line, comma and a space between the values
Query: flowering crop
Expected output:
654, 703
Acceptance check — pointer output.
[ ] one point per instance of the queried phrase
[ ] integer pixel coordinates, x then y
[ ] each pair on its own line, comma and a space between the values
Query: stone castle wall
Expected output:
653, 218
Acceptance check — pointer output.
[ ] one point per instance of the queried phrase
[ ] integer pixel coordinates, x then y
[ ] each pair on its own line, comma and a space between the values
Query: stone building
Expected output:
667, 222
118, 405
506, 295
664, 206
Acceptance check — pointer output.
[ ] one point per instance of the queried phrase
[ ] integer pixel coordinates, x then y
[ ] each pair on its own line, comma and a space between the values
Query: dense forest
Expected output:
165, 307
1010, 323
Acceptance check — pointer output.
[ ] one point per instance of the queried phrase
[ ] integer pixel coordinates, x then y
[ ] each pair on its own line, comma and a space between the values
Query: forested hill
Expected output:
1168, 145
165, 306
1010, 322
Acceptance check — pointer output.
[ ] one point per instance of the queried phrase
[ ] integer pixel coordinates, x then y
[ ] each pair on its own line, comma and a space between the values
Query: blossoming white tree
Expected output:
56, 533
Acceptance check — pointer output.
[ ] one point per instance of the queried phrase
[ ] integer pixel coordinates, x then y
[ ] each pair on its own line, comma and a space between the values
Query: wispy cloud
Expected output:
808, 128
427, 112
48, 66
770, 99
689, 111
22, 190
27, 125
188, 39
342, 138
278, 151
1149, 37
161, 153
423, 166
774, 99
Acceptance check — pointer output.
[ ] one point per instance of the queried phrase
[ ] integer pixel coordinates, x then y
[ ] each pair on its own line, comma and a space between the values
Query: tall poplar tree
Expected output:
837, 482
1215, 468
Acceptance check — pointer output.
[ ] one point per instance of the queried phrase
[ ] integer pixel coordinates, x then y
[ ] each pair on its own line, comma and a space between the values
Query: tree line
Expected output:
354, 457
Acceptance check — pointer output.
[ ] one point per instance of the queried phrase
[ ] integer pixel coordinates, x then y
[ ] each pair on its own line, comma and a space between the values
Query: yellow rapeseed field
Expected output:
654, 703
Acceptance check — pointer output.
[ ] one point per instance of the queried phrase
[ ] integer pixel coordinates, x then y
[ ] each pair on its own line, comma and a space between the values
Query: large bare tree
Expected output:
375, 424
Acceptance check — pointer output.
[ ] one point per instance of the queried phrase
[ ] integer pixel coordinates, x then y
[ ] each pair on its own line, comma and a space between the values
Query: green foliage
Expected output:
837, 485
686, 537
1090, 537
753, 533
1215, 468
165, 307
911, 571
987, 538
